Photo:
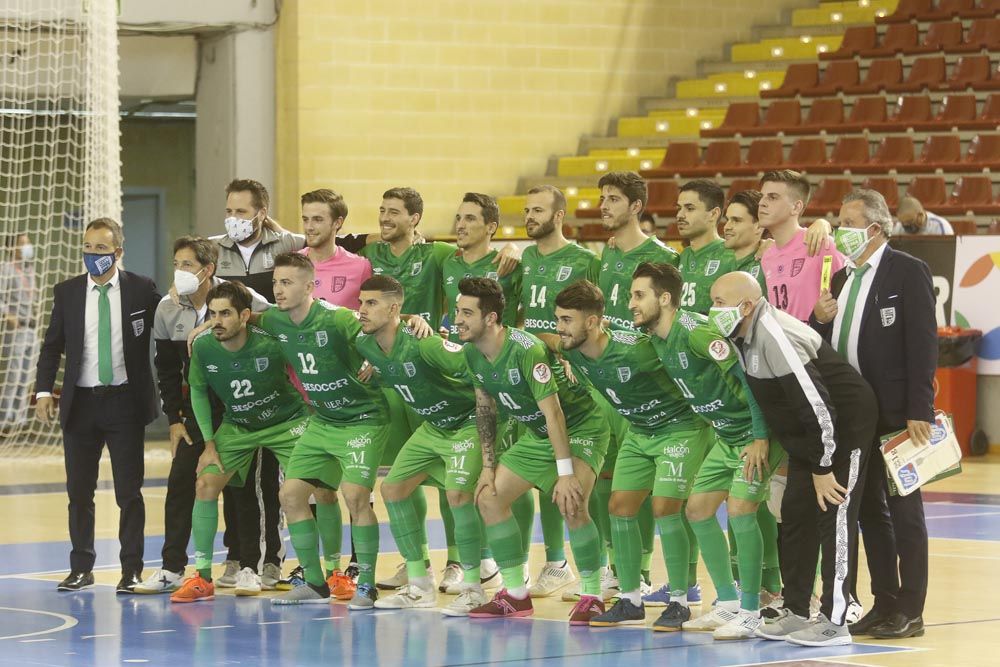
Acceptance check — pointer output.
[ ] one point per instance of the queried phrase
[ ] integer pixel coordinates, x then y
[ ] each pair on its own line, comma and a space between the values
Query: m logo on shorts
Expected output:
514, 375
711, 267
416, 268
261, 363
322, 338
410, 369
683, 358
564, 273
624, 374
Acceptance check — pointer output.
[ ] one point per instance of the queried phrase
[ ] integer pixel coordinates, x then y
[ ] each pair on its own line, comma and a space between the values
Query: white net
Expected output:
59, 167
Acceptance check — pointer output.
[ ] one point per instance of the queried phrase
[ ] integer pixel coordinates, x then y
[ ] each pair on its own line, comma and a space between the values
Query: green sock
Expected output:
647, 526
553, 529
715, 552
523, 509
598, 508
693, 550
467, 533
505, 540
674, 543
734, 563
449, 526
751, 554
586, 545
484, 544
405, 529
628, 551
419, 498
366, 545
306, 544
771, 574
330, 525
204, 526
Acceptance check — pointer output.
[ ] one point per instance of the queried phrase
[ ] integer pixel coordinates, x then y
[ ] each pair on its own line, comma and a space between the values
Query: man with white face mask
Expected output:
17, 284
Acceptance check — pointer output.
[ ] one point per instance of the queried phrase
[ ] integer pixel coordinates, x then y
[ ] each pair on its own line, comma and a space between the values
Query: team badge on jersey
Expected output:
797, 265
339, 282
410, 369
719, 349
451, 347
493, 275
564, 273
322, 338
416, 268
514, 375
624, 374
711, 267
754, 363
683, 358
888, 316
541, 372
138, 326
261, 363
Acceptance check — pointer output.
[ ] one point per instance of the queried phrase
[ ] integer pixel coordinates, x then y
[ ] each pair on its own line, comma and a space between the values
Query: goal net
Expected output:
59, 168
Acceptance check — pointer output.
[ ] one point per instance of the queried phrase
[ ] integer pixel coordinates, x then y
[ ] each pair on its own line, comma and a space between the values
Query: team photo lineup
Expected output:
637, 392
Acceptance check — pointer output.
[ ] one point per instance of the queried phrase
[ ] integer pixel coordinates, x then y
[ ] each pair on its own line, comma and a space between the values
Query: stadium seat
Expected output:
856, 39
939, 36
983, 9
850, 153
955, 111
928, 190
762, 155
662, 197
882, 74
946, 9
719, 157
829, 196
780, 117
969, 72
971, 195
826, 113
907, 10
838, 76
983, 153
894, 152
898, 38
807, 155
964, 227
940, 151
887, 186
994, 227
866, 112
927, 72
910, 111
983, 34
798, 77
741, 184
680, 155
989, 118
740, 117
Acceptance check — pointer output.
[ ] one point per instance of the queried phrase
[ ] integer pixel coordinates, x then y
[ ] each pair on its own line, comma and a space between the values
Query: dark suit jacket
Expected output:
65, 336
897, 342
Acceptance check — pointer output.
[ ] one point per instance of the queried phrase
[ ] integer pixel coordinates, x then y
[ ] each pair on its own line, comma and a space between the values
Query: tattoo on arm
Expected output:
486, 424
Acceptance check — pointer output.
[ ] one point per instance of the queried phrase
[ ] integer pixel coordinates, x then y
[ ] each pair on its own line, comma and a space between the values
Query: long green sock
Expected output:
306, 544
693, 550
553, 529
523, 509
330, 525
750, 554
674, 543
366, 545
484, 544
715, 553
449, 526
586, 545
204, 526
734, 563
505, 540
628, 551
598, 508
771, 574
467, 533
647, 531
405, 529
419, 498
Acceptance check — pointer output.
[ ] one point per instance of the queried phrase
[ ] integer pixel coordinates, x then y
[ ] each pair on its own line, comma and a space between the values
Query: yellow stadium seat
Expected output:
748, 83
786, 48
843, 13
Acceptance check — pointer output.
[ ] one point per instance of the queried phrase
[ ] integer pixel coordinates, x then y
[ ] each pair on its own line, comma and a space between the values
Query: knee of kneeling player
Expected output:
457, 498
392, 493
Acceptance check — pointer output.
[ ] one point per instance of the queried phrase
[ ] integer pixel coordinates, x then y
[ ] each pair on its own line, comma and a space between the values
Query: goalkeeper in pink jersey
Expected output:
339, 273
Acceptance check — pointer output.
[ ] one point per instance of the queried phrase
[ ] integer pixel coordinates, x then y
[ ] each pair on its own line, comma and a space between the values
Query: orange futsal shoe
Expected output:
194, 590
342, 587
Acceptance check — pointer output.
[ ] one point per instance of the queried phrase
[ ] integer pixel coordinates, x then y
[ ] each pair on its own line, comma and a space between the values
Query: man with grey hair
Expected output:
913, 219
880, 315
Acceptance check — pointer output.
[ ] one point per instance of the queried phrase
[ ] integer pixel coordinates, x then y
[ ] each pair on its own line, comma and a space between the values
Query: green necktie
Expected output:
852, 297
105, 371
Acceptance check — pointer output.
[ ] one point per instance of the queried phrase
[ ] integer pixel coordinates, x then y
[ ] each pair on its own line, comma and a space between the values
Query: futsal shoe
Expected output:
469, 598
587, 609
504, 605
623, 613
673, 618
76, 581
342, 587
295, 578
661, 596
364, 598
451, 576
396, 581
778, 628
553, 578
305, 594
743, 626
228, 579
194, 589
854, 612
821, 632
710, 621
247, 583
270, 577
161, 581
410, 596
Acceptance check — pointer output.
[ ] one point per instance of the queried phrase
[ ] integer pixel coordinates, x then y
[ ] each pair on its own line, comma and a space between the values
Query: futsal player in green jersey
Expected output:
560, 451
432, 377
704, 366
244, 368
699, 207
350, 420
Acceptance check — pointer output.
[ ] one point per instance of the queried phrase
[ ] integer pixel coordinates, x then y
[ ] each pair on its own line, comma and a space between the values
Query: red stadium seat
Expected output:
827, 198
925, 73
781, 116
971, 195
907, 10
955, 111
983, 34
850, 153
887, 186
939, 37
946, 9
762, 155
680, 155
983, 153
893, 153
662, 197
989, 118
798, 77
882, 75
964, 227
867, 112
969, 72
807, 155
838, 76
740, 118
856, 39
983, 9
928, 190
826, 113
719, 157
898, 38
741, 184
910, 111
940, 151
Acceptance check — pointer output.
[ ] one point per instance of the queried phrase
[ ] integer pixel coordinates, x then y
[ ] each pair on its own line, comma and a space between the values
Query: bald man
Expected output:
823, 413
913, 219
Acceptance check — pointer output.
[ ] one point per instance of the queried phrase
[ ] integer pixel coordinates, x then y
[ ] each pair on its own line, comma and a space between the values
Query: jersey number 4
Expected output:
241, 388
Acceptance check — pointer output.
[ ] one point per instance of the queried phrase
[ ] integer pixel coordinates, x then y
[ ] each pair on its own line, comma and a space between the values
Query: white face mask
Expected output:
27, 251
185, 282
239, 229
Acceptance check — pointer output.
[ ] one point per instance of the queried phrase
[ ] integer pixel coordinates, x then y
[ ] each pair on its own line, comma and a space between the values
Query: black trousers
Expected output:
895, 534
95, 421
806, 530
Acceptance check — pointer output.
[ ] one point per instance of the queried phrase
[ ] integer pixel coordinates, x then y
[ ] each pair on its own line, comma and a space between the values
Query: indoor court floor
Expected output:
39, 626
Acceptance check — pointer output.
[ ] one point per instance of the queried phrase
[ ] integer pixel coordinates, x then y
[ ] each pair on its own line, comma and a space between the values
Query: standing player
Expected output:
662, 451
560, 451
699, 206
742, 234
432, 377
244, 367
705, 368
339, 273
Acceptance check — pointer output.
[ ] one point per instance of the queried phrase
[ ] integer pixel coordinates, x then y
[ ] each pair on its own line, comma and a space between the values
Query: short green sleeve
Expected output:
444, 355
535, 367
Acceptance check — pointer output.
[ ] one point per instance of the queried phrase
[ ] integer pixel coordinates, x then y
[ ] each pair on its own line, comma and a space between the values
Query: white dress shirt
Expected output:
859, 306
89, 372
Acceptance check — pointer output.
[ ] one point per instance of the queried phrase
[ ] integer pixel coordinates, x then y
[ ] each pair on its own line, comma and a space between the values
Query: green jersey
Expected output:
418, 270
456, 268
523, 374
751, 265
704, 365
430, 374
252, 382
544, 276
615, 281
700, 268
629, 374
321, 351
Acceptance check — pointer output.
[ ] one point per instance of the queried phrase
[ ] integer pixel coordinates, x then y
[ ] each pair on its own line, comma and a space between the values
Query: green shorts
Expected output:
618, 426
354, 449
237, 447
665, 464
453, 458
508, 431
722, 470
402, 423
531, 458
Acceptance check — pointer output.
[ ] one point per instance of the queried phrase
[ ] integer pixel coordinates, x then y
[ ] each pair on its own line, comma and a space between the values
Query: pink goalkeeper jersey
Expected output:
793, 277
338, 279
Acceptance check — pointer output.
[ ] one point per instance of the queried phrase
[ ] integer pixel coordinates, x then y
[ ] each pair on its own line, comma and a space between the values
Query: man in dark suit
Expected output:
880, 316
102, 322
